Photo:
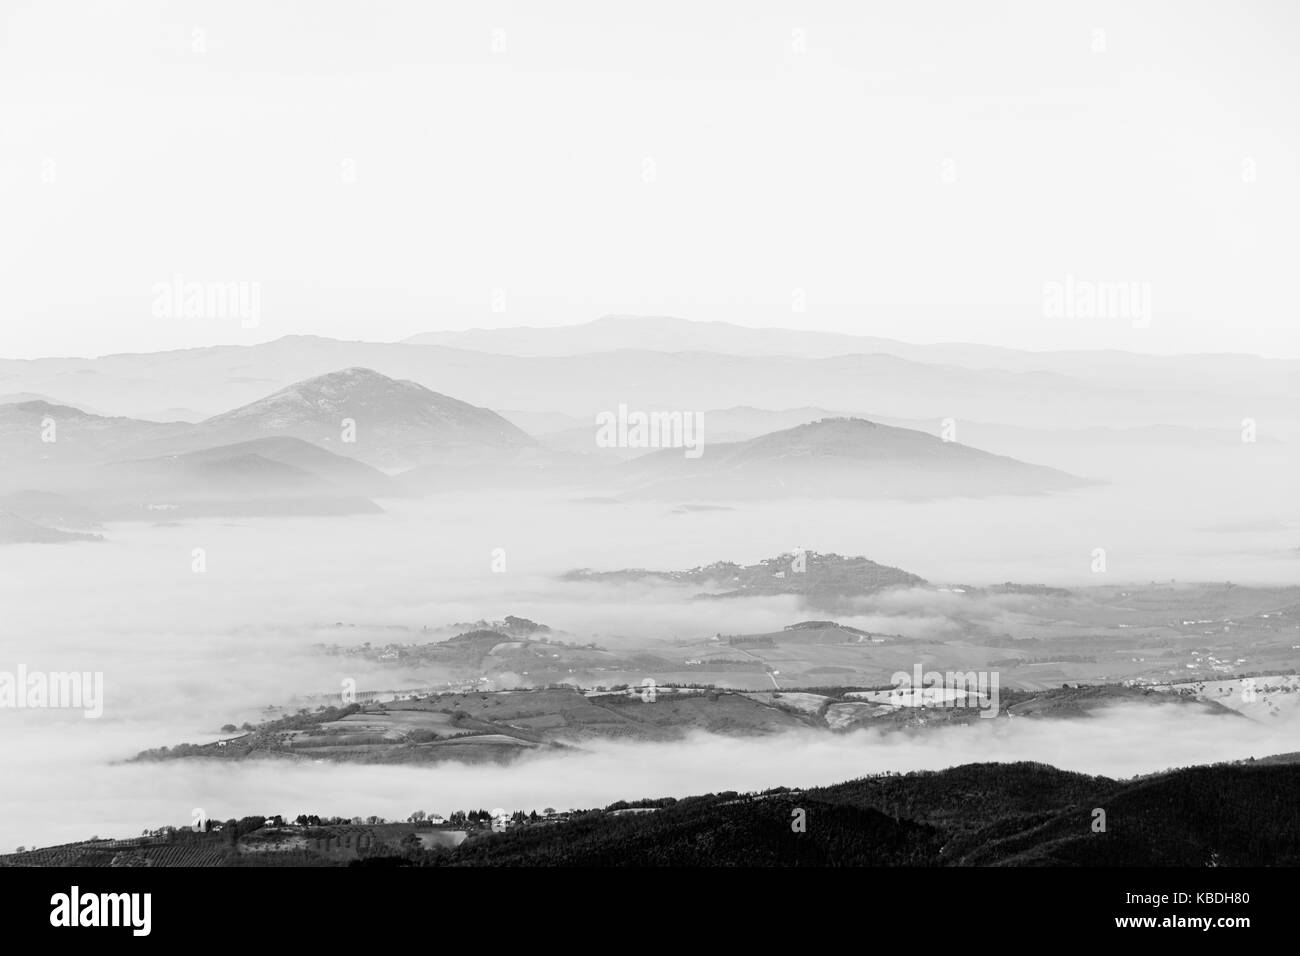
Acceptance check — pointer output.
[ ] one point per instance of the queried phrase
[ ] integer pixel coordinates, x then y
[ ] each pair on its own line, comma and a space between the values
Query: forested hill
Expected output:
1021, 814
980, 814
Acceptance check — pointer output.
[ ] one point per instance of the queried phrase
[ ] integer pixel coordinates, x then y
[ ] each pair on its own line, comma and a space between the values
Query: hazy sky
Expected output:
915, 170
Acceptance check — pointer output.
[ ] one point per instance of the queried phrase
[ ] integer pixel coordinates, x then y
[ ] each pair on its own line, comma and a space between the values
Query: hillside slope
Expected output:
838, 457
361, 413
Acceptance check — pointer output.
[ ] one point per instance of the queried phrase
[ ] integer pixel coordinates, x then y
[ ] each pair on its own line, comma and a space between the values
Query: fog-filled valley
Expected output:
710, 437
189, 643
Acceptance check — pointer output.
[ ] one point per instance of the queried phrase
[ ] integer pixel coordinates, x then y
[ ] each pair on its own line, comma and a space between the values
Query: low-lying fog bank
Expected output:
46, 801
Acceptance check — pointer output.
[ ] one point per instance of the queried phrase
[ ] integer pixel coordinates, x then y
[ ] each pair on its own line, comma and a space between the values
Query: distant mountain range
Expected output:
639, 361
354, 411
614, 333
306, 449
316, 447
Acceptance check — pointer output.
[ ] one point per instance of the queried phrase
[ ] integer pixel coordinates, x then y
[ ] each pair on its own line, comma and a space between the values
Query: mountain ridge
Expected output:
389, 421
839, 457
